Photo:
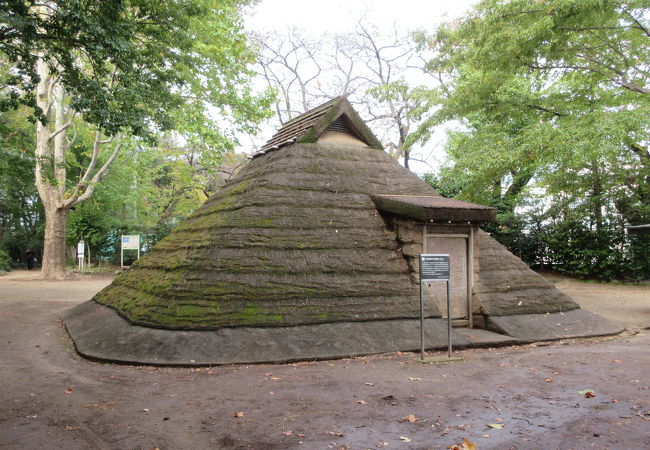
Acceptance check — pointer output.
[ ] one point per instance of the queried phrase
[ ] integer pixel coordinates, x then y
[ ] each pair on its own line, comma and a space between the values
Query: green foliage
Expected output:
552, 98
90, 224
5, 261
169, 61
446, 184
135, 68
21, 213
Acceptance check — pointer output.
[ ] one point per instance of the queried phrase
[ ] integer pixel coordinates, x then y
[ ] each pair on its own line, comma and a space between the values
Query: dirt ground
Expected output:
501, 398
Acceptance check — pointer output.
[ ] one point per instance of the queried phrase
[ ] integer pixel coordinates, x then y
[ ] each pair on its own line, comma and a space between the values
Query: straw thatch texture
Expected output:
507, 286
293, 239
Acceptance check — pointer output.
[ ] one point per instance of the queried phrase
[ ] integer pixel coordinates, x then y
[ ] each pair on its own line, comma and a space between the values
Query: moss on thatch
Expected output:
293, 239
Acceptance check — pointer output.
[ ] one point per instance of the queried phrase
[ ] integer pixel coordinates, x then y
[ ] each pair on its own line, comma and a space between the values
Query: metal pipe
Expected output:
449, 318
421, 324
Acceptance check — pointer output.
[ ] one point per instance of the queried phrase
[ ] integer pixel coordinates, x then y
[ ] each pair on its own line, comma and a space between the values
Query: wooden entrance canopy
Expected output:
639, 229
434, 208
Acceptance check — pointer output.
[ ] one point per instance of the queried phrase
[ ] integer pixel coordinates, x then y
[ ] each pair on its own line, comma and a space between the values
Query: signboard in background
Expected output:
129, 242
81, 249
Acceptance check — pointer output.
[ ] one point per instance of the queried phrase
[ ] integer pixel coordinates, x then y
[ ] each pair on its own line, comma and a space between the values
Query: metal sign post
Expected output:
435, 268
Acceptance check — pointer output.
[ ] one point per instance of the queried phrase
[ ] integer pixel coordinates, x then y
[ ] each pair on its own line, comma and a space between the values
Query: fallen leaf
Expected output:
466, 445
414, 379
268, 374
486, 435
301, 435
287, 433
68, 391
556, 373
145, 410
548, 379
382, 444
399, 353
503, 365
616, 360
405, 439
239, 414
335, 433
362, 402
496, 426
275, 378
588, 393
369, 384
410, 418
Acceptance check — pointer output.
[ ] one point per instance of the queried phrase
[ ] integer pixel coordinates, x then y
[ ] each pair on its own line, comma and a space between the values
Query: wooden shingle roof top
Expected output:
639, 229
307, 127
434, 208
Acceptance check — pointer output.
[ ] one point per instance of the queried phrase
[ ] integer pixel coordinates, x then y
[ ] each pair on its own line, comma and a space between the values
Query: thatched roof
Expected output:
507, 285
297, 238
294, 238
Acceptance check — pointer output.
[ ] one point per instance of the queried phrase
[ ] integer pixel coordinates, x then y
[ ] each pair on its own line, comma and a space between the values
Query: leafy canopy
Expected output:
171, 62
539, 86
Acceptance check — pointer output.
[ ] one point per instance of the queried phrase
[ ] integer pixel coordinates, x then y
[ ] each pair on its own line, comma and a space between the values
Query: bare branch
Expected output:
62, 128
87, 189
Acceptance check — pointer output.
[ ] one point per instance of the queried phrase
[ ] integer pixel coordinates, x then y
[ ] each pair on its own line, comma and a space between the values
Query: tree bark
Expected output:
54, 245
50, 172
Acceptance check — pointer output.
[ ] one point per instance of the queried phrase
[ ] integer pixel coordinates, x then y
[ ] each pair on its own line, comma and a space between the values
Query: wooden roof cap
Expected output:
307, 127
639, 229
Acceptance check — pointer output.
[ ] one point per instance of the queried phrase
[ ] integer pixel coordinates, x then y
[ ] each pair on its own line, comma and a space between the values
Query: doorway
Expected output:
458, 247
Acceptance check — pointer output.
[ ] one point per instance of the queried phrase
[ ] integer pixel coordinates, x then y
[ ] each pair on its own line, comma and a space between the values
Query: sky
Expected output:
318, 17
341, 15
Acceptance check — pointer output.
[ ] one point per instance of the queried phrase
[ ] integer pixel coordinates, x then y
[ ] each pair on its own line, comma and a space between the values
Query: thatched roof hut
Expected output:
321, 227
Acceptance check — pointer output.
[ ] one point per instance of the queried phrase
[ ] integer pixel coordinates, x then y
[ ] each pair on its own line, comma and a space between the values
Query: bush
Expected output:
5, 261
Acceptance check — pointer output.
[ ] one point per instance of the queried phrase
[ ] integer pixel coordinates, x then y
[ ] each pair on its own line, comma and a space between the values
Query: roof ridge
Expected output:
308, 126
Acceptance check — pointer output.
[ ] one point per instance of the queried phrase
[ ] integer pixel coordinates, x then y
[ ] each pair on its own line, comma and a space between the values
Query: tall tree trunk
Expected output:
54, 245
50, 170
51, 147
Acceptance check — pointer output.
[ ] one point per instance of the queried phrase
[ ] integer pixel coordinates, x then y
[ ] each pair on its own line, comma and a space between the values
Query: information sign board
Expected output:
80, 249
131, 242
434, 267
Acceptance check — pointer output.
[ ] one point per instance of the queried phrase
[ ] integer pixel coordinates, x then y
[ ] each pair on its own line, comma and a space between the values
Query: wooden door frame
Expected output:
469, 256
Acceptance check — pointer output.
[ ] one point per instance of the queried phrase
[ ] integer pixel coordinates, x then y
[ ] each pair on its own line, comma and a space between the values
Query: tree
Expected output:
540, 84
551, 96
369, 66
129, 67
